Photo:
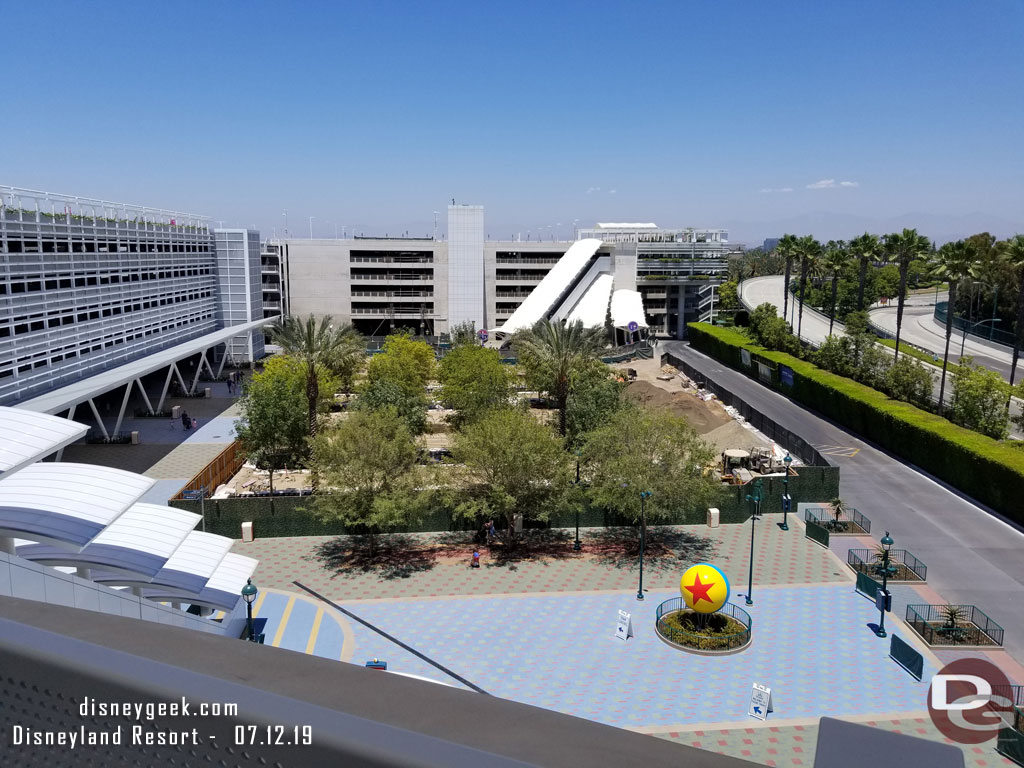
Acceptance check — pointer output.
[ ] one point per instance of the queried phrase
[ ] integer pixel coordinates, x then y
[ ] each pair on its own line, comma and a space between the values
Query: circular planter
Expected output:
703, 644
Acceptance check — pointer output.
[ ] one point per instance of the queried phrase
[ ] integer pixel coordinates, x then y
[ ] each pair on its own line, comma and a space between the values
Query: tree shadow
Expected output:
534, 545
394, 556
667, 547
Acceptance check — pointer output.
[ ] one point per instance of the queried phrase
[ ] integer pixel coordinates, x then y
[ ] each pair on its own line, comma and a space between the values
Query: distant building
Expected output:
770, 243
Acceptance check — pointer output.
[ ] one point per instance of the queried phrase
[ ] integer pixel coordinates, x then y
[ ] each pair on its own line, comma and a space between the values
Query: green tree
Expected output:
771, 331
462, 334
473, 382
273, 427
909, 380
979, 399
836, 259
953, 263
808, 250
649, 449
319, 348
867, 249
368, 462
728, 298
1013, 250
404, 361
787, 248
508, 465
904, 247
594, 395
549, 352
383, 393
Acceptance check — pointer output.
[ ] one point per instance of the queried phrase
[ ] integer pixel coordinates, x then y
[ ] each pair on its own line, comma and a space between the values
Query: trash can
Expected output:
713, 517
247, 532
135, 437
176, 412
209, 392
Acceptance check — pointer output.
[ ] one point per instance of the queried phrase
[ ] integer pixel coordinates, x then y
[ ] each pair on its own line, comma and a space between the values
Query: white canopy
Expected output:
628, 307
26, 437
592, 309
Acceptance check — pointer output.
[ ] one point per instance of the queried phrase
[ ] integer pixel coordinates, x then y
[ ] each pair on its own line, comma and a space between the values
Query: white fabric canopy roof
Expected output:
592, 309
628, 307
26, 437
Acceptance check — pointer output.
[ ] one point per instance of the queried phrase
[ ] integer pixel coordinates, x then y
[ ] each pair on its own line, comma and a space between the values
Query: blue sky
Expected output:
374, 115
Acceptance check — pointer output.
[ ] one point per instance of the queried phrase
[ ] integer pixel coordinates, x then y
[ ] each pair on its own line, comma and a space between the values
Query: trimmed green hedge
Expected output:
988, 470
293, 516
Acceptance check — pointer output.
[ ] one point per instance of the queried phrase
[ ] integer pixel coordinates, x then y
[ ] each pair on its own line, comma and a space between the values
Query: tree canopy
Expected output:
404, 361
474, 382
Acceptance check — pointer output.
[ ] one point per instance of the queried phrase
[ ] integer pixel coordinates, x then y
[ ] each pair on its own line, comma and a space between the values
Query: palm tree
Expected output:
1013, 250
904, 247
953, 262
867, 248
809, 252
318, 347
786, 247
837, 257
553, 350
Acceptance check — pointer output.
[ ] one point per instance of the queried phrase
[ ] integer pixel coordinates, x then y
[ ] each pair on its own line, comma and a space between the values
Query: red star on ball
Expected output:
700, 591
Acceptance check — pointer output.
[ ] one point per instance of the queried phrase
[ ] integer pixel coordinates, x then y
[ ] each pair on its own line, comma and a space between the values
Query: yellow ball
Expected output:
704, 587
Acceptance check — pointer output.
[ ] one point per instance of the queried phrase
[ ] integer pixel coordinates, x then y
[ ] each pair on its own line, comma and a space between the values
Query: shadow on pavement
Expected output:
667, 548
393, 556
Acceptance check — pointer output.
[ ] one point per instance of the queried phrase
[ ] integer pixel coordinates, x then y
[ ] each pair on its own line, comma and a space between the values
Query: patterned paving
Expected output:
785, 746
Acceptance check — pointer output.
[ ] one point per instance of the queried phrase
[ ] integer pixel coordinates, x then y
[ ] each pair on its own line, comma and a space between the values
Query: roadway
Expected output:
973, 557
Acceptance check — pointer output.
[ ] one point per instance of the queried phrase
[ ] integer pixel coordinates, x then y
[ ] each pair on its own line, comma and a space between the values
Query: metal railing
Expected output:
816, 532
903, 566
826, 517
702, 642
971, 628
867, 586
988, 330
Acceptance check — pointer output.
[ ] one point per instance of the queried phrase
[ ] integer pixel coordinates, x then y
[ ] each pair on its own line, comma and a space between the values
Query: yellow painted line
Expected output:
348, 642
259, 602
284, 621
311, 643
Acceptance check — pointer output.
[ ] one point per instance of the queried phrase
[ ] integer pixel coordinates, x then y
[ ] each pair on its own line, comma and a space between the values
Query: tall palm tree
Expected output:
904, 247
809, 252
867, 248
954, 263
1013, 251
837, 257
786, 247
553, 350
318, 347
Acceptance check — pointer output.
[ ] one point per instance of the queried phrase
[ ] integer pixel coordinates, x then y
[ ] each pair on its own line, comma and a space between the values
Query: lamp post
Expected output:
576, 544
755, 499
784, 525
886, 545
644, 495
249, 592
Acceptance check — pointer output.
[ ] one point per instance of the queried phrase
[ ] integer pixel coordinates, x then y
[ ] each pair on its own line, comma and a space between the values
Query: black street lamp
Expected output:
755, 499
784, 525
576, 544
886, 545
249, 592
644, 495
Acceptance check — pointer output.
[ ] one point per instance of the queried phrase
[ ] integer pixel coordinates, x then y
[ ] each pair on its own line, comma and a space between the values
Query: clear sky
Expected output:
815, 116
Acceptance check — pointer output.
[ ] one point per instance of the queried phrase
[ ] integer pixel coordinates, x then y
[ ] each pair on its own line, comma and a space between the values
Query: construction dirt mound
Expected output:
703, 416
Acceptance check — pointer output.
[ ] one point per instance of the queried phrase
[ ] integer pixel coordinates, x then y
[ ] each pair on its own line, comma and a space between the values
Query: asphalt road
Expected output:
973, 557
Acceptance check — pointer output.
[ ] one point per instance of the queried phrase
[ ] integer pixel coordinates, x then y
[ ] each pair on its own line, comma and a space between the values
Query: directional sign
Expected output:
624, 626
482, 334
193, 495
632, 326
760, 702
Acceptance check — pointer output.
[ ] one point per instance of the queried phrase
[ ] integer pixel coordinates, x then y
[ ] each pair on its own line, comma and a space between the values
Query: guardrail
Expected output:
702, 642
972, 628
826, 516
903, 566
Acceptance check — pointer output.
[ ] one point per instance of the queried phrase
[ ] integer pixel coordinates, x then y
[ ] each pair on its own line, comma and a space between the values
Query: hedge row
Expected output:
988, 470
293, 516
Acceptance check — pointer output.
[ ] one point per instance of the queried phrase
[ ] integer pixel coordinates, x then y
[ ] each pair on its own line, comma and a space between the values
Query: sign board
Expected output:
786, 375
760, 702
482, 334
883, 600
193, 495
745, 357
764, 373
624, 626
632, 326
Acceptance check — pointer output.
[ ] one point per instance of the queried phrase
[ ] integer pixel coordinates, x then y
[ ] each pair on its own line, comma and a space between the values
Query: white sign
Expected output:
624, 626
745, 357
760, 702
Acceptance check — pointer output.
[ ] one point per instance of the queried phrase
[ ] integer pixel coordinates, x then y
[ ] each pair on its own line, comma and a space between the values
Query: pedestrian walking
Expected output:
186, 420
476, 560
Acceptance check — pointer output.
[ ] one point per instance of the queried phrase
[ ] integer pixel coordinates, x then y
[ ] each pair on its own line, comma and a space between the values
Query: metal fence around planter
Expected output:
903, 566
973, 627
850, 521
693, 641
867, 586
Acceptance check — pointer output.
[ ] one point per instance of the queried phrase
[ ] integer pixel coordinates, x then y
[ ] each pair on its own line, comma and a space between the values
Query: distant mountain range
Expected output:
841, 226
